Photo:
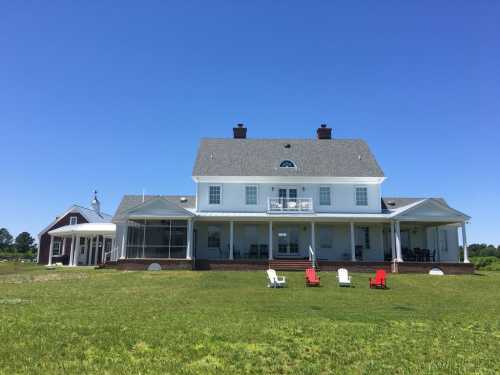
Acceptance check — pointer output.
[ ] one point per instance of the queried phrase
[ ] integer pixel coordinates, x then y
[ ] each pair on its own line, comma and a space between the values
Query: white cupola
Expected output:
96, 205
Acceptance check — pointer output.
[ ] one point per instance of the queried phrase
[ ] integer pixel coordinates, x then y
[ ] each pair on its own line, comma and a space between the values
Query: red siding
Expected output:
45, 239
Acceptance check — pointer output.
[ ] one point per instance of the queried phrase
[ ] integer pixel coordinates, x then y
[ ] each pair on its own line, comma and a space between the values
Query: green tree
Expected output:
24, 242
5, 239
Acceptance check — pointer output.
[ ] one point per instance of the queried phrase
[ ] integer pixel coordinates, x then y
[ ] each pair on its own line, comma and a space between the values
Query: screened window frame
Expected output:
357, 200
218, 202
59, 243
321, 202
211, 230
139, 242
247, 201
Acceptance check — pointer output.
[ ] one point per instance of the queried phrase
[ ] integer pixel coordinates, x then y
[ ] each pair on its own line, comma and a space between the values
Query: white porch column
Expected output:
399, 255
51, 250
63, 250
103, 252
393, 242
464, 243
124, 243
231, 240
71, 251
313, 238
89, 252
76, 252
353, 243
189, 247
87, 248
270, 241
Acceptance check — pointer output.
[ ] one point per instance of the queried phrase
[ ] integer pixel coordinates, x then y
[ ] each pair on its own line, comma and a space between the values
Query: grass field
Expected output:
72, 321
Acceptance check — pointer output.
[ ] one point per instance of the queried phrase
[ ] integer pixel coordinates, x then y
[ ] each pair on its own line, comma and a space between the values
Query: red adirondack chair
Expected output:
379, 280
311, 278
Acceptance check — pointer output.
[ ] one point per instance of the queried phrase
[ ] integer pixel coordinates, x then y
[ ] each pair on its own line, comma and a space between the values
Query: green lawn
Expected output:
72, 321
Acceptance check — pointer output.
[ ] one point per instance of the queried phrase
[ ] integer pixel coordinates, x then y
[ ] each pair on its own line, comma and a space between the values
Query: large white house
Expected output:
289, 202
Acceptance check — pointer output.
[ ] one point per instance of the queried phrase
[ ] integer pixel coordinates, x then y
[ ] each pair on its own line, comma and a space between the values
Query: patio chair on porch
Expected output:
343, 277
254, 251
263, 253
312, 279
275, 281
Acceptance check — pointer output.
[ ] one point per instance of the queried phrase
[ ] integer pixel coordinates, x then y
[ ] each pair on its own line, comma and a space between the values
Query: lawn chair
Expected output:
379, 281
311, 278
275, 281
343, 277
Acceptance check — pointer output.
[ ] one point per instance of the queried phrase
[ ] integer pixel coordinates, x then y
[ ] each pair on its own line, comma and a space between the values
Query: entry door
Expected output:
82, 253
288, 241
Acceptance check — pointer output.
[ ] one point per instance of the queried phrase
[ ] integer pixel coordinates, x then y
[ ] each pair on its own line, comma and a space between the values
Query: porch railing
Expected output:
289, 205
312, 256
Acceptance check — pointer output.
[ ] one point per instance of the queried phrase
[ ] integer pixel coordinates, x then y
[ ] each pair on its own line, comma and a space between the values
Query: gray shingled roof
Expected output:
130, 201
401, 202
262, 157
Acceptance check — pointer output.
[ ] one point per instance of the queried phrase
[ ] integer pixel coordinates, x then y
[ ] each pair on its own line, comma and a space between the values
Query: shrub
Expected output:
490, 263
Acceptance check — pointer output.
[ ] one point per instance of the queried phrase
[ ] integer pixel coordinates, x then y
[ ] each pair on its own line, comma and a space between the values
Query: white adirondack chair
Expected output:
343, 277
274, 281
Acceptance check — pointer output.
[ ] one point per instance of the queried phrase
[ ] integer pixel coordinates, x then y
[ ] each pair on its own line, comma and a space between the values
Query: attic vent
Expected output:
287, 145
183, 199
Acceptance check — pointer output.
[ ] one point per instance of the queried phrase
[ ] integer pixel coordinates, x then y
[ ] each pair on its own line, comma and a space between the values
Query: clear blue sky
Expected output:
114, 96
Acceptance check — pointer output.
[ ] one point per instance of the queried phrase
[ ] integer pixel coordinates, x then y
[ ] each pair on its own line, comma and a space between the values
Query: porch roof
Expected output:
85, 229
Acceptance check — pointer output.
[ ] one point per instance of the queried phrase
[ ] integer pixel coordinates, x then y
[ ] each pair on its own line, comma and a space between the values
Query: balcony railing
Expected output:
289, 205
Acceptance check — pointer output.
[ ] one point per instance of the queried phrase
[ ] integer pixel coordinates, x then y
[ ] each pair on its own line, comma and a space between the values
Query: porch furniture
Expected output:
379, 281
312, 279
253, 251
359, 252
292, 205
275, 281
263, 253
343, 277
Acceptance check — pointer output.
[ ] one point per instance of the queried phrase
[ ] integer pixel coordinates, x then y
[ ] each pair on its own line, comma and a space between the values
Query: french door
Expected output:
288, 241
287, 195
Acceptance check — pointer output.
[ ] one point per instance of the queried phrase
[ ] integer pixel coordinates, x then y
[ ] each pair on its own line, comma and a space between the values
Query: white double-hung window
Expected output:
325, 198
214, 194
251, 195
361, 196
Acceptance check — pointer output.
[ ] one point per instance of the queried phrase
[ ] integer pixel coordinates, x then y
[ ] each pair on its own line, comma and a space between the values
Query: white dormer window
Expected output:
287, 164
73, 220
251, 195
361, 196
214, 193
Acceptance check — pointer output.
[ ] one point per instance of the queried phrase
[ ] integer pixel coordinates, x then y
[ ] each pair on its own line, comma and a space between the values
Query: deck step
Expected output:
290, 264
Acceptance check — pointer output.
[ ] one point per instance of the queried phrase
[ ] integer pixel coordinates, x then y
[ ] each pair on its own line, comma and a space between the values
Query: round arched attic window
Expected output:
287, 164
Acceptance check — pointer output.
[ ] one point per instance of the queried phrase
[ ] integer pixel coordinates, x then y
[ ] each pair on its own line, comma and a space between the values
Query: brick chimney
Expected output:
240, 132
324, 132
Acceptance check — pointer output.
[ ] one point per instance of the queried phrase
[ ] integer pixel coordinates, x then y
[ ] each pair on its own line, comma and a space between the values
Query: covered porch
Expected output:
81, 244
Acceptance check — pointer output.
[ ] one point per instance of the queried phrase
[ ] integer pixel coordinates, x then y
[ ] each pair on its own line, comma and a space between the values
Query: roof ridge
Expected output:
279, 139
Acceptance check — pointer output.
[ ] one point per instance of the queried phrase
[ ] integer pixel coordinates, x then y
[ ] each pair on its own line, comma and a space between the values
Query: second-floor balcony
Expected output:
289, 205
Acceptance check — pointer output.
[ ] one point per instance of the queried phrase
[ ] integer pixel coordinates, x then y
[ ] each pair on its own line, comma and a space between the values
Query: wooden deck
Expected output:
287, 265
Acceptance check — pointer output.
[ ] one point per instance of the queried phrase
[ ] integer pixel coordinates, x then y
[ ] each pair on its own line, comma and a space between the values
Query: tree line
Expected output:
23, 244
483, 250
